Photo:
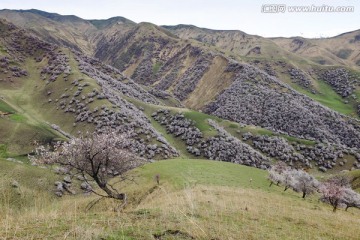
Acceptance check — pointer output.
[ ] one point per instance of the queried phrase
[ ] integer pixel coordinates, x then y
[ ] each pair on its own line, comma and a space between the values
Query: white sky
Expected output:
215, 14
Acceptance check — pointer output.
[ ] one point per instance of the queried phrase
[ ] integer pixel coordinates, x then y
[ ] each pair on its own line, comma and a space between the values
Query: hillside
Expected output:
196, 199
68, 91
338, 50
325, 70
57, 88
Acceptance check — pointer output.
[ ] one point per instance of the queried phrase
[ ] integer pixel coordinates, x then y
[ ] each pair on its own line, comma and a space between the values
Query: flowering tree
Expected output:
276, 173
100, 156
287, 179
304, 182
350, 199
274, 177
337, 191
332, 192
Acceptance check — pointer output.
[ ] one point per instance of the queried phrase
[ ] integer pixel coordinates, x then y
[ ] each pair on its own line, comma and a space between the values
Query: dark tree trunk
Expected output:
347, 207
271, 183
109, 192
286, 188
304, 195
334, 208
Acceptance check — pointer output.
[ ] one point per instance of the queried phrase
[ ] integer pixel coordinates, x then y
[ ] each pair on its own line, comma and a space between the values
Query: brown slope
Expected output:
343, 49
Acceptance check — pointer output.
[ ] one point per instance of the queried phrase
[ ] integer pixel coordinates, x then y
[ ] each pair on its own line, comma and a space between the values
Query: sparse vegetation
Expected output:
344, 53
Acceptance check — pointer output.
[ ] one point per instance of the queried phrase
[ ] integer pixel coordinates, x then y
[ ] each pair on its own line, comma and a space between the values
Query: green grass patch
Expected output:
200, 119
183, 172
156, 67
329, 98
355, 175
3, 151
301, 141
35, 185
233, 125
4, 107
18, 118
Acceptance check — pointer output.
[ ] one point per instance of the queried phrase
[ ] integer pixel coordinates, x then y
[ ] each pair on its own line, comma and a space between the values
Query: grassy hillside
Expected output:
18, 132
196, 199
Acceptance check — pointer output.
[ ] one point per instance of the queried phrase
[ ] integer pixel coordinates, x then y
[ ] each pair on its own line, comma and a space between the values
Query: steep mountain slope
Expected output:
307, 65
232, 42
200, 78
71, 92
324, 69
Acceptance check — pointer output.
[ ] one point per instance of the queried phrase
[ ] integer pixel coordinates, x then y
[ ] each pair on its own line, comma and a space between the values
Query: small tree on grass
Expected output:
274, 177
100, 156
304, 183
350, 199
287, 179
333, 193
276, 173
337, 191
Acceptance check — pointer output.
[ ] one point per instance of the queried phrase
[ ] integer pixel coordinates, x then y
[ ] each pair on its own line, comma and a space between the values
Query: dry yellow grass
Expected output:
188, 204
200, 212
209, 84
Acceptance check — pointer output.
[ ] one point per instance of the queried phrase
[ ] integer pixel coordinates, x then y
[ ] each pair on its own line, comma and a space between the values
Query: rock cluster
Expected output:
70, 182
10, 70
64, 186
103, 74
278, 148
299, 77
159, 94
179, 126
125, 117
265, 66
228, 148
58, 64
222, 147
255, 98
341, 80
324, 156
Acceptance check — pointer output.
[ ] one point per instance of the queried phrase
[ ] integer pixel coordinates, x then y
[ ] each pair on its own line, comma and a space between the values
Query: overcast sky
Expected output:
215, 14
